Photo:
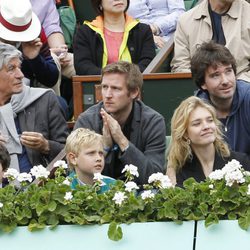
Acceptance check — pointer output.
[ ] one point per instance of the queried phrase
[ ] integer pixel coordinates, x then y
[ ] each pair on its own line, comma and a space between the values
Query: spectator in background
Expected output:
214, 72
32, 124
133, 132
161, 15
4, 162
113, 36
48, 15
197, 147
20, 26
225, 22
50, 20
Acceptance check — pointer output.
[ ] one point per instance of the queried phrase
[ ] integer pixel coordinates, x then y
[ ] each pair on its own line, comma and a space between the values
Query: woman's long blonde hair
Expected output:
180, 150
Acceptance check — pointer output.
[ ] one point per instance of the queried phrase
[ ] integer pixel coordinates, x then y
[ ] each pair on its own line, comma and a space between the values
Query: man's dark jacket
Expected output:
147, 140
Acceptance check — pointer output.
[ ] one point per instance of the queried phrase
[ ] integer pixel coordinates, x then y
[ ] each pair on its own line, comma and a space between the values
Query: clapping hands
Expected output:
112, 131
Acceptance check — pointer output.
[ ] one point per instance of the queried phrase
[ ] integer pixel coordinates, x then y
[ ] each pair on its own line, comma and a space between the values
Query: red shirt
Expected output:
113, 42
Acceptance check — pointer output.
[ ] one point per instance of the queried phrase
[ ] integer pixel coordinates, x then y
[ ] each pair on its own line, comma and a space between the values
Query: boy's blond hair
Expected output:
81, 137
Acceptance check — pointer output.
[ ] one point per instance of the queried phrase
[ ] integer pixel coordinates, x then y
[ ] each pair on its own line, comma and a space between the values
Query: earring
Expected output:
188, 141
100, 7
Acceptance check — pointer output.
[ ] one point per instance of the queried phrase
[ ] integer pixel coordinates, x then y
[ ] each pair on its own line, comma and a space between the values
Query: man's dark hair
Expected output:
4, 157
97, 5
210, 54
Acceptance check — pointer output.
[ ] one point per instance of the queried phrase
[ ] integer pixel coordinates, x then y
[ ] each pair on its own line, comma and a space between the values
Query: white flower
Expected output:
165, 182
60, 163
211, 186
155, 177
68, 196
66, 182
40, 172
23, 177
1, 204
98, 177
160, 180
119, 197
217, 174
248, 190
11, 173
130, 185
234, 176
232, 165
232, 172
133, 170
147, 194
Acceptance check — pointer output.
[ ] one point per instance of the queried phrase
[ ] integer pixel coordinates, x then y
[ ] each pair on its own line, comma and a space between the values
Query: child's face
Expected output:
90, 160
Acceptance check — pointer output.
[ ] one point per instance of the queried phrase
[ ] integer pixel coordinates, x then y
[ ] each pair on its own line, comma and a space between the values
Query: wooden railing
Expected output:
79, 83
161, 56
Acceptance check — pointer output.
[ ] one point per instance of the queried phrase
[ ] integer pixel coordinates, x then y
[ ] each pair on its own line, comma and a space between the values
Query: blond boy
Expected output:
85, 156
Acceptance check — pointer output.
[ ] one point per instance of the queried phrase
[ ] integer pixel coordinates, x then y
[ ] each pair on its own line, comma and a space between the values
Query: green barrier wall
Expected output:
165, 95
162, 92
84, 10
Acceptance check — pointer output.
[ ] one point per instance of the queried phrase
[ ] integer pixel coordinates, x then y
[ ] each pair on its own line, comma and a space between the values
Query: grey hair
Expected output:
7, 53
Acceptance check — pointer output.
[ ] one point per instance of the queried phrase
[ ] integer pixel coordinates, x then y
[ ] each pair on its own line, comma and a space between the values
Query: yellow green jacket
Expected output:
90, 51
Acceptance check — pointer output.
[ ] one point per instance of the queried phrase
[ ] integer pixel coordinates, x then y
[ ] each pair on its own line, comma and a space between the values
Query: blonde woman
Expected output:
197, 147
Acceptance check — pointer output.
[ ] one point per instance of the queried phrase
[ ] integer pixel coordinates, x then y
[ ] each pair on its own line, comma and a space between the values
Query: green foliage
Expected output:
115, 231
37, 206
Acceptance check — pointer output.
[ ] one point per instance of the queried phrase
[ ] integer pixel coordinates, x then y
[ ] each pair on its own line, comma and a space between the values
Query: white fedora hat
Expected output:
17, 21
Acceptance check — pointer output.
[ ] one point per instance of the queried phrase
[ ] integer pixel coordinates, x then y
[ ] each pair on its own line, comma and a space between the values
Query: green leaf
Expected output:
244, 221
211, 219
8, 228
40, 209
93, 218
114, 231
189, 183
168, 212
143, 217
232, 216
203, 208
35, 226
52, 219
106, 218
52, 206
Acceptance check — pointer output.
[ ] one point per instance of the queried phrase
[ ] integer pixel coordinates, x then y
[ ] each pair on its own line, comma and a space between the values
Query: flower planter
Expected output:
150, 235
225, 235
220, 196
